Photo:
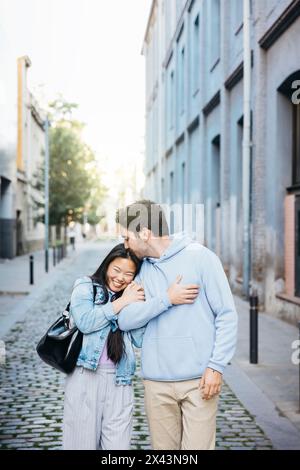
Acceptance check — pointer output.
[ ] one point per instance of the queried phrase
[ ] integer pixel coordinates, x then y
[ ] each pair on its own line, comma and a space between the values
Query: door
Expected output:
297, 246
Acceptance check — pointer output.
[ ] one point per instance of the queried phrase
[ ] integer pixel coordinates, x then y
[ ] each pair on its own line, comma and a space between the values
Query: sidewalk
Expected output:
16, 293
269, 389
14, 273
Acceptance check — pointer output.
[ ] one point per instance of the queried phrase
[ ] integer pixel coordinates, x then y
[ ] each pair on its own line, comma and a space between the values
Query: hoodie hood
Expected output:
178, 242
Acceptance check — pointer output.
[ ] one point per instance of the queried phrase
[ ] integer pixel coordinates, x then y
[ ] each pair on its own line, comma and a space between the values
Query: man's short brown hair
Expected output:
144, 213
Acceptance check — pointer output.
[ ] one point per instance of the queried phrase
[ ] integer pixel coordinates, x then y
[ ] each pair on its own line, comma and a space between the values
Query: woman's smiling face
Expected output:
120, 273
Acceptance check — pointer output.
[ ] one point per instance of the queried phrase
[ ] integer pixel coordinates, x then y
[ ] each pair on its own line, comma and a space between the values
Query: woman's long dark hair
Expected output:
115, 341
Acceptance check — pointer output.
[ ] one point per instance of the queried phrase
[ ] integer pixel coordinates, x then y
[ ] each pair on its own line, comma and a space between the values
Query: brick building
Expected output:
194, 53
22, 144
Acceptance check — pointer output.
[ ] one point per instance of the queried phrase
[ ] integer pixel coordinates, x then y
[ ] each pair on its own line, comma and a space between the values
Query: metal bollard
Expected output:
253, 299
54, 255
46, 260
31, 270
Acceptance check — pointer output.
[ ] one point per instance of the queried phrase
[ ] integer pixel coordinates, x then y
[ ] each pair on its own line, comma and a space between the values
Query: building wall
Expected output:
35, 155
21, 153
195, 116
281, 60
8, 119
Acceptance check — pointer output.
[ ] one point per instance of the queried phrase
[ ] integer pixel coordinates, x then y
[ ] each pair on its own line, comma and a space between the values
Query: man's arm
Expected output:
138, 314
221, 301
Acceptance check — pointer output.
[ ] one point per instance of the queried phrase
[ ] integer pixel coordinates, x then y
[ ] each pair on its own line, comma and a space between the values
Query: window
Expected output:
215, 30
183, 183
196, 55
171, 99
149, 139
287, 88
154, 54
4, 183
181, 81
296, 144
162, 190
237, 15
179, 6
172, 200
155, 128
170, 13
172, 196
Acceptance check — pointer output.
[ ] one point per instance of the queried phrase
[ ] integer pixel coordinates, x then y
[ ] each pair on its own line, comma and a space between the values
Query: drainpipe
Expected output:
246, 148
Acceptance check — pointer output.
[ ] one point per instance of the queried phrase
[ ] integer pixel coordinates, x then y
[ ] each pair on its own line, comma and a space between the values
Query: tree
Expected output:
74, 178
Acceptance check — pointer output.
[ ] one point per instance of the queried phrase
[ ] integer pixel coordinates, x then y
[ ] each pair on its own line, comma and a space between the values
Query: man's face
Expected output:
134, 243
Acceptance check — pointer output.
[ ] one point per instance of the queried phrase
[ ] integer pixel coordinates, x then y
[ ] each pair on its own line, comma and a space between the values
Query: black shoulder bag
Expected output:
61, 345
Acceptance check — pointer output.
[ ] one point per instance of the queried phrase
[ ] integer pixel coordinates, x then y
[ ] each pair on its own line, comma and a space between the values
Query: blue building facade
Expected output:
194, 54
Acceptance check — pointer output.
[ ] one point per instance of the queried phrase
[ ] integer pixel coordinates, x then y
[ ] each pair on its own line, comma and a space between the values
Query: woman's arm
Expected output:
87, 316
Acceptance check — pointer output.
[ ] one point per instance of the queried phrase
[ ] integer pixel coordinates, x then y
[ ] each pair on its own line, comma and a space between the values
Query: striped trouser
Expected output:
97, 413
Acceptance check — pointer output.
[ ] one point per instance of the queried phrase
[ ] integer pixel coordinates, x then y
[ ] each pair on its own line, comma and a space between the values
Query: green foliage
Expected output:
69, 186
74, 180
61, 110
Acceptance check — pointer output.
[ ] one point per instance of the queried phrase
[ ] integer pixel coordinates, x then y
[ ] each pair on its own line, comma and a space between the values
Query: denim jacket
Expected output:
95, 320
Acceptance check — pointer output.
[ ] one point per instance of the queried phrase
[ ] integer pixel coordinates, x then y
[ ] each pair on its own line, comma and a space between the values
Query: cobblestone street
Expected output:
32, 393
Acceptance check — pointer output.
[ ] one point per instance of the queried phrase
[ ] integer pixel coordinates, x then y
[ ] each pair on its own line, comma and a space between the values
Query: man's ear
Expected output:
145, 234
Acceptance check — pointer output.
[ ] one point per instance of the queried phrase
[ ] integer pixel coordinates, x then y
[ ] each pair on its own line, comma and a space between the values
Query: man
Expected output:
190, 329
72, 235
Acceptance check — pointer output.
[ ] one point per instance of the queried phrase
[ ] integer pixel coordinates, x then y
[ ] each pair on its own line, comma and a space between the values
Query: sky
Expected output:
90, 52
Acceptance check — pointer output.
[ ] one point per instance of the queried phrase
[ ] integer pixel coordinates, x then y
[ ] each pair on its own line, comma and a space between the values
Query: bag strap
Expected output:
94, 291
94, 296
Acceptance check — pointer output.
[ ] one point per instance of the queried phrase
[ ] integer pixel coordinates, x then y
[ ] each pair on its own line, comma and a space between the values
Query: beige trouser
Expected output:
97, 413
178, 417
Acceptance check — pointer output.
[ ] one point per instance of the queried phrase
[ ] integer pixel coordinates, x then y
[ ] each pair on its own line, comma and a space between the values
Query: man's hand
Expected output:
210, 383
182, 294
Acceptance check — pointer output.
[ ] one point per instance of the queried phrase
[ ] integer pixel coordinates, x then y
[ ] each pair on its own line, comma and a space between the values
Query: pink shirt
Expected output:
104, 360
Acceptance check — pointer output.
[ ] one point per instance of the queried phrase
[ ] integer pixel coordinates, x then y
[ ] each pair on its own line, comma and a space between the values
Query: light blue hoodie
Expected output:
180, 341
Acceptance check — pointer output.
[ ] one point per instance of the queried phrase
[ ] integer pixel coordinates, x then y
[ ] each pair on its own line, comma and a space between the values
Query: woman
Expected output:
98, 404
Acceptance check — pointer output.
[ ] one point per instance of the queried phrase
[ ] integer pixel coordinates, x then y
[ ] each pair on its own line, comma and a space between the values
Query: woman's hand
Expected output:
133, 293
185, 294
